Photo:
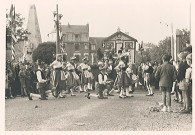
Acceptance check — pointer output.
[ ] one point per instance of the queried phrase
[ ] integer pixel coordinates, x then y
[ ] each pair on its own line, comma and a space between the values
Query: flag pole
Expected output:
12, 27
190, 24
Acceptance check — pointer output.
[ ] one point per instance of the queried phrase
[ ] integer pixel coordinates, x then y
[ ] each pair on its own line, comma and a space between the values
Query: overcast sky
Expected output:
141, 18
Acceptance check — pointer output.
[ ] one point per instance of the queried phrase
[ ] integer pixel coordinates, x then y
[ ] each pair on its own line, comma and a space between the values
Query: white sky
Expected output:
141, 18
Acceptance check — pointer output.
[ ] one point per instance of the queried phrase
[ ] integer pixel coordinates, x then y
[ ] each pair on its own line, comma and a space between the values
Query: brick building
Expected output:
74, 41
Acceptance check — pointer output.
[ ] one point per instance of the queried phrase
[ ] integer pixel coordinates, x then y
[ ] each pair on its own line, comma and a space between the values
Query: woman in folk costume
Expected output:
126, 82
85, 75
70, 78
58, 75
134, 76
122, 66
73, 66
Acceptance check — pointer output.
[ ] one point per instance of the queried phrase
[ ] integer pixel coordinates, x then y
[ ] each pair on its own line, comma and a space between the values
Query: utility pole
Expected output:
57, 18
57, 31
172, 42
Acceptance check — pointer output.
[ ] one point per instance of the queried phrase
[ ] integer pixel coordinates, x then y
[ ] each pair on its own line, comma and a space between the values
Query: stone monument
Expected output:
34, 38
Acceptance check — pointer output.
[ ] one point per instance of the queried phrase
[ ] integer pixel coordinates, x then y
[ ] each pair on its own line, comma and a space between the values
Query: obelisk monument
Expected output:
34, 38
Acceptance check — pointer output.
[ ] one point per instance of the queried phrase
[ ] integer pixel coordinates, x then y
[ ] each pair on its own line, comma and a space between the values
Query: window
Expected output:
109, 46
77, 58
129, 45
76, 46
76, 35
92, 47
86, 46
86, 55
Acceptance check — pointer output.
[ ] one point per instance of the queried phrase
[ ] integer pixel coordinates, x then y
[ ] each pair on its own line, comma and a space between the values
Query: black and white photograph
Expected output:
97, 65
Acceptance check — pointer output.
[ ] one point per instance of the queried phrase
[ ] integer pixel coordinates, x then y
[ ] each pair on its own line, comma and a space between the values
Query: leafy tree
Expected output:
45, 51
164, 47
146, 55
100, 55
143, 55
17, 26
138, 57
185, 36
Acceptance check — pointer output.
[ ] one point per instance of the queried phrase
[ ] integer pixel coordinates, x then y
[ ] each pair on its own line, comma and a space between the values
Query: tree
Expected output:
185, 36
100, 55
45, 51
164, 47
15, 25
138, 57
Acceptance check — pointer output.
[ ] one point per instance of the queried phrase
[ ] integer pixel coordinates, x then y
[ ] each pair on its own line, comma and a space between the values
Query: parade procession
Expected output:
80, 71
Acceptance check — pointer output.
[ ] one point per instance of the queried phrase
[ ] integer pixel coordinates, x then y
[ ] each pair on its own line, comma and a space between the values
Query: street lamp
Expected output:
57, 18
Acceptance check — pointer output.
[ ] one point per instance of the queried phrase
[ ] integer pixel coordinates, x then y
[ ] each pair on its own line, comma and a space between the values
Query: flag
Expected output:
12, 14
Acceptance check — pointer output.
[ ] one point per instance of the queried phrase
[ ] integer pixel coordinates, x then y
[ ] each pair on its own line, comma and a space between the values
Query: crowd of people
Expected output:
112, 74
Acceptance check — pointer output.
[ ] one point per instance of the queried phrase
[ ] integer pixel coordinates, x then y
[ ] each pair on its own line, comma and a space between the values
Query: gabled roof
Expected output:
96, 40
75, 28
119, 32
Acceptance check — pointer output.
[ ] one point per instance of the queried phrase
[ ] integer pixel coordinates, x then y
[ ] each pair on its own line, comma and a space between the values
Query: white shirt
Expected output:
56, 64
121, 64
69, 66
188, 74
83, 66
110, 67
100, 79
39, 77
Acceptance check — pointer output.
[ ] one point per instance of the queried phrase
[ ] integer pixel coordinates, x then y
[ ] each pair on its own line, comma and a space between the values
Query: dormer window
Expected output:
76, 35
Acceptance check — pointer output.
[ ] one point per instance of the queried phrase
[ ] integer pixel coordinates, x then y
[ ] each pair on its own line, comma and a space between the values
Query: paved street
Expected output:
78, 114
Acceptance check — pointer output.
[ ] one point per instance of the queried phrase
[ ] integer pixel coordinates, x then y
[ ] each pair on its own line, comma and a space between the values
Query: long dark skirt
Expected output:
61, 84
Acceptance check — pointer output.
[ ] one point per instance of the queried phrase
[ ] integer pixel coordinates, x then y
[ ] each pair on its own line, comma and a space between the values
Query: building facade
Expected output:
114, 42
75, 41
95, 43
120, 40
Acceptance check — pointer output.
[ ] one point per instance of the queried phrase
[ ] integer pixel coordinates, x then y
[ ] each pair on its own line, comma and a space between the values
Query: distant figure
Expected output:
166, 74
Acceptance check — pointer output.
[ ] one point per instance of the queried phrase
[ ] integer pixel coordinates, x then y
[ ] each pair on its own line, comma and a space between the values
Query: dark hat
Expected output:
85, 59
39, 62
119, 51
182, 55
188, 49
